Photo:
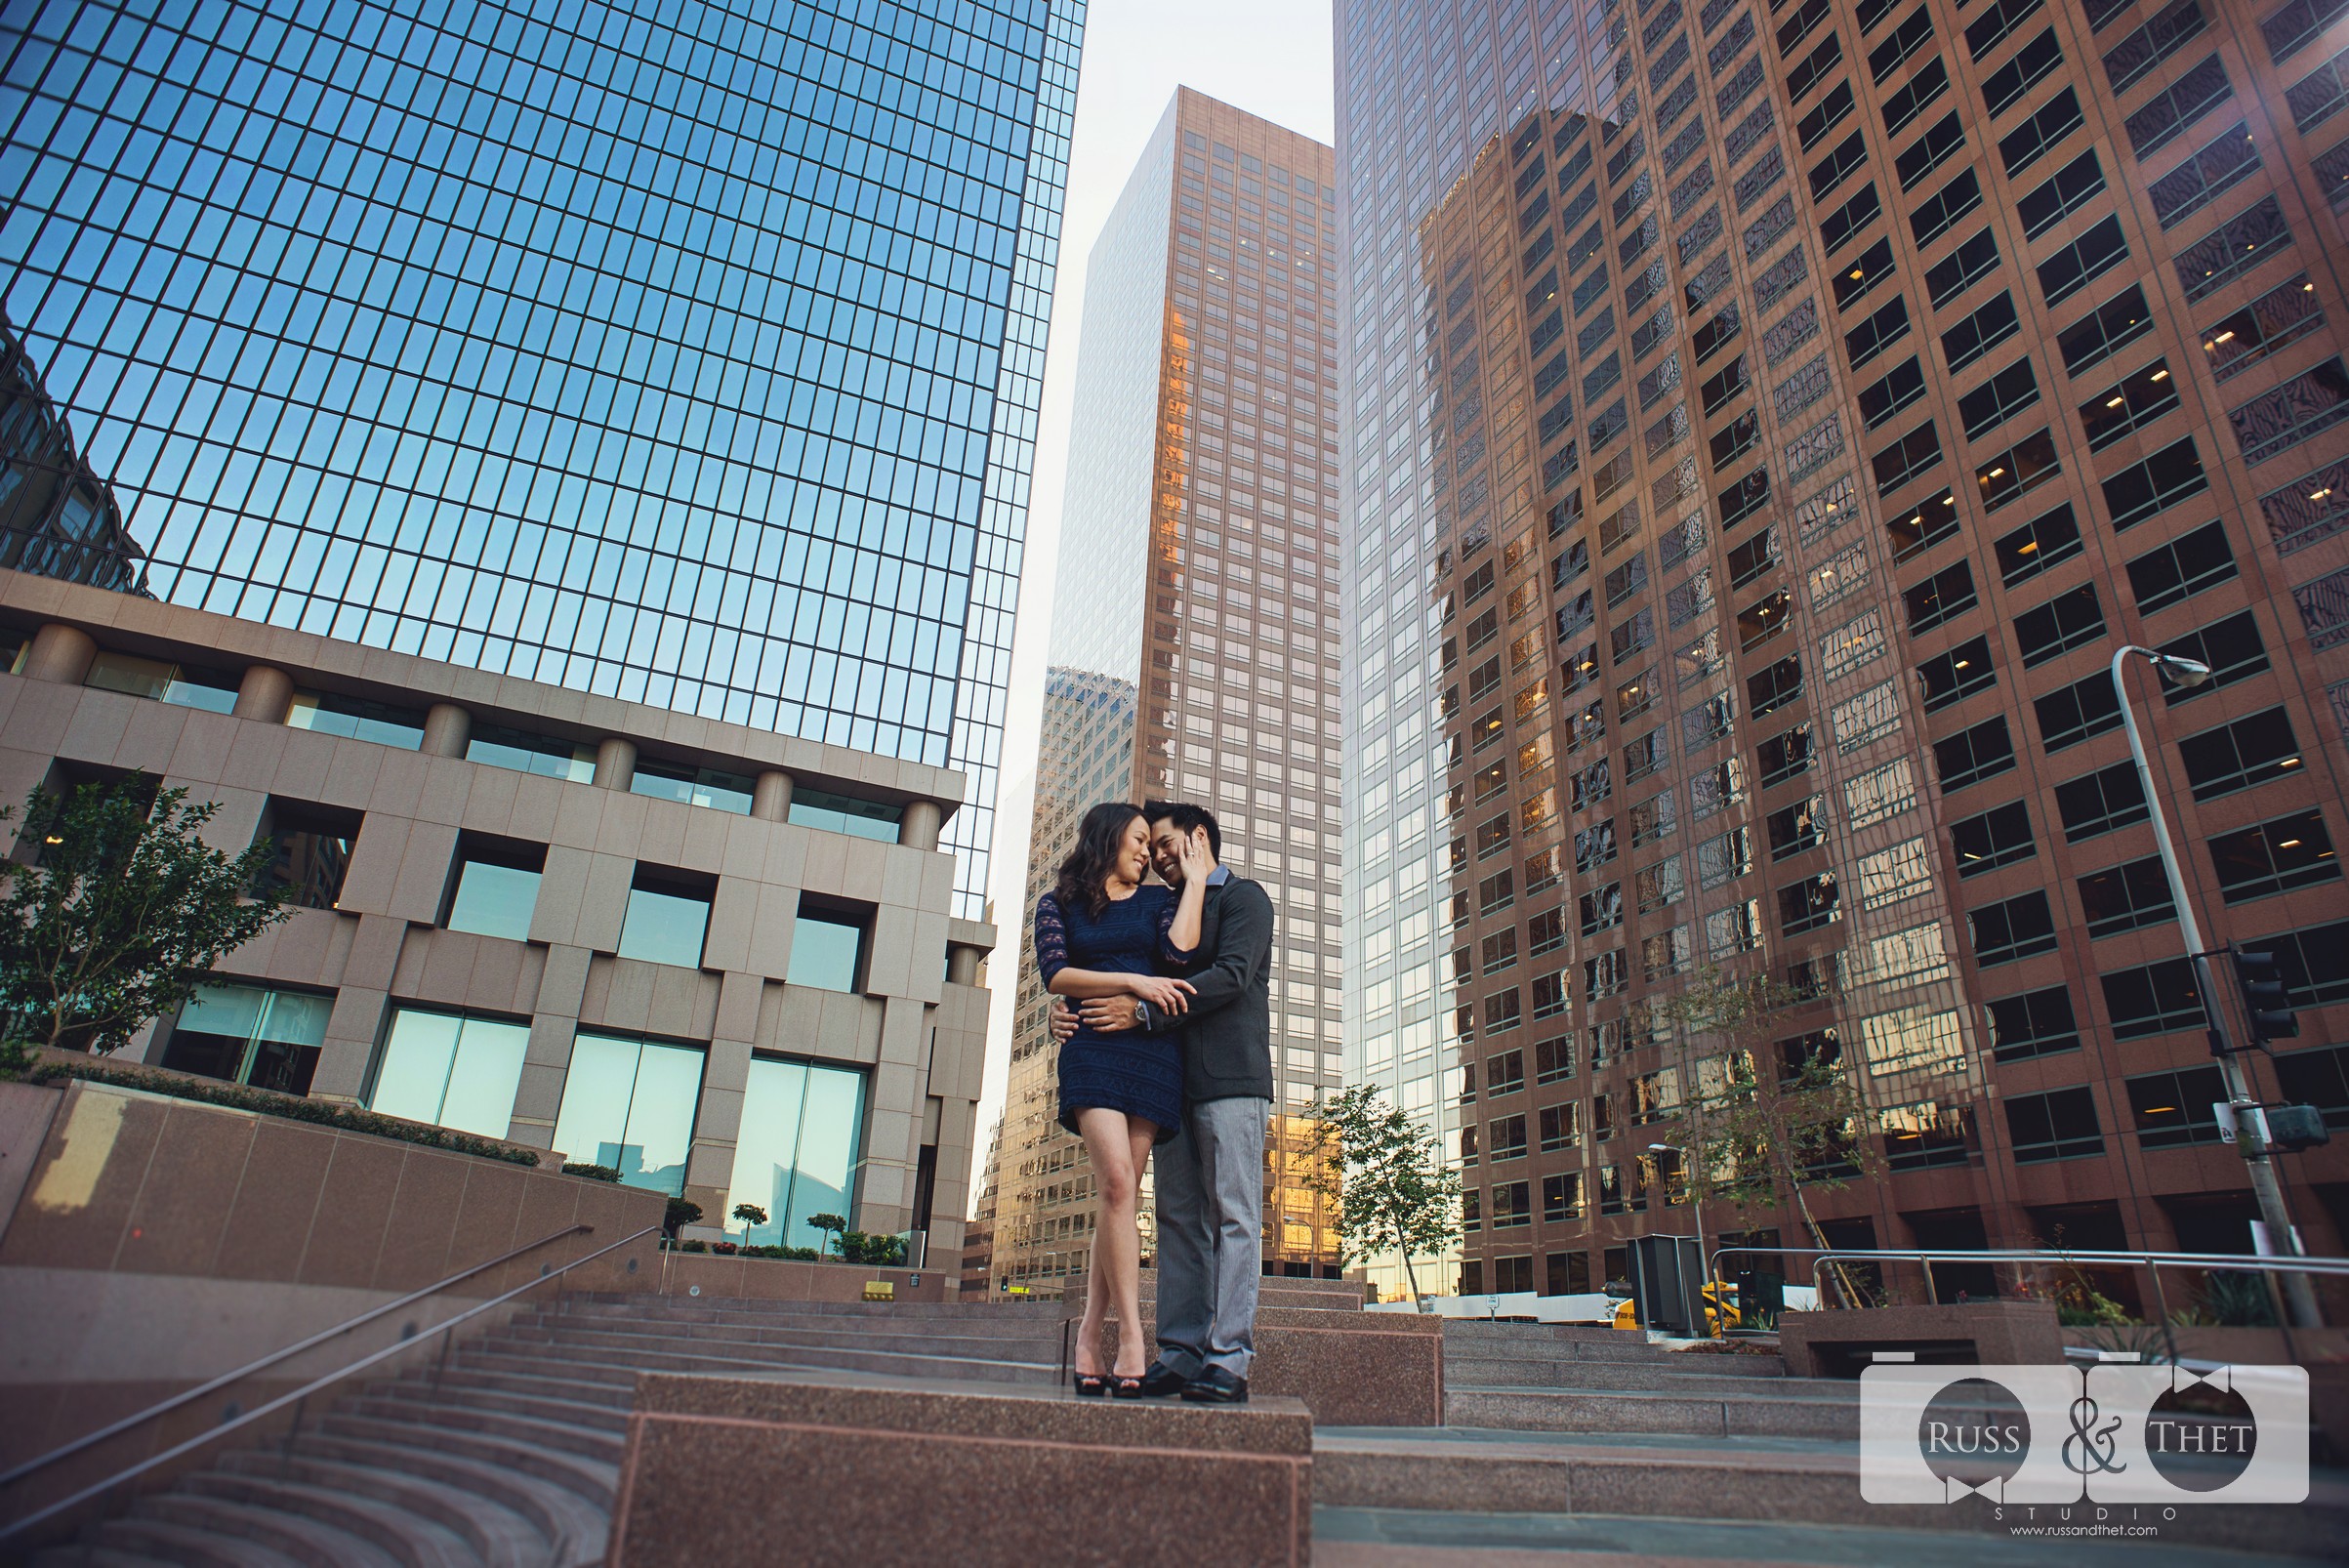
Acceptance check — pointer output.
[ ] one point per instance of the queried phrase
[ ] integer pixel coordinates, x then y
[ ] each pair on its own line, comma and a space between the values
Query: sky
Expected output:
1268, 56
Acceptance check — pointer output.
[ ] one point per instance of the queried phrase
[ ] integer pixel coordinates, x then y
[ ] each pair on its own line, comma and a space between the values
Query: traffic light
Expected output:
2264, 997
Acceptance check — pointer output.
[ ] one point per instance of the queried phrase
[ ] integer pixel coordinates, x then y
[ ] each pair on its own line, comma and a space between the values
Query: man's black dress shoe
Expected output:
1162, 1381
1216, 1386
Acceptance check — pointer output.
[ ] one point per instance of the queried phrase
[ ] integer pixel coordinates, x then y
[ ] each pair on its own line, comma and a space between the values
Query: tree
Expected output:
122, 916
1384, 1178
829, 1224
750, 1214
1764, 1140
681, 1212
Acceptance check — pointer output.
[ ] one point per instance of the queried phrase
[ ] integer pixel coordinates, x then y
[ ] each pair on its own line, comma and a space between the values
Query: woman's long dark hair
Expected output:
1087, 869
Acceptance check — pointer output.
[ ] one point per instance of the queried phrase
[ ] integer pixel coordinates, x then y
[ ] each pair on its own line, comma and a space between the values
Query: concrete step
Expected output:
687, 1305
568, 1526
1038, 1343
560, 1404
637, 1353
313, 1543
1621, 1348
1571, 1372
119, 1543
593, 1479
492, 1534
1595, 1375
796, 1318
406, 1538
1789, 1481
487, 1414
1493, 1332
1640, 1410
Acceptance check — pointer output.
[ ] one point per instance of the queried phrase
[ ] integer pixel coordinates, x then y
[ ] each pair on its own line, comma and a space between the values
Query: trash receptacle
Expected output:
1667, 1283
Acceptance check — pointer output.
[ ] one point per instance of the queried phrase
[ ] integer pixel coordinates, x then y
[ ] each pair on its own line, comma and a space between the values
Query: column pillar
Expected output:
60, 653
446, 729
265, 695
615, 763
918, 827
963, 963
770, 801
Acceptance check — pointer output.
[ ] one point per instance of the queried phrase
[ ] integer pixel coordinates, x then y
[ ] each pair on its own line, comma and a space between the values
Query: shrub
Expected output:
593, 1172
681, 1212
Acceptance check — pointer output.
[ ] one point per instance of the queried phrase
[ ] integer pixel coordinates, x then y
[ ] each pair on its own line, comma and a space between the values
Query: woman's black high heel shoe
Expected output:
1121, 1386
1092, 1384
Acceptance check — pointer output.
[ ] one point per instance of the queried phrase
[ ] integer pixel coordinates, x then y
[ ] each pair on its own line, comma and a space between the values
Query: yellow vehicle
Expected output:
1720, 1309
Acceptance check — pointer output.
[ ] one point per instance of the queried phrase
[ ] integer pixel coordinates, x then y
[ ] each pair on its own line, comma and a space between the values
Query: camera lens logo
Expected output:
1975, 1435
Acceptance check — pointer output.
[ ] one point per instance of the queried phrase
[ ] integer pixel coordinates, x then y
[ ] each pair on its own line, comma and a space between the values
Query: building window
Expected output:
2065, 622
798, 1150
2057, 1126
2314, 962
2184, 567
2074, 712
2124, 897
2274, 321
1991, 324
2319, 1078
2014, 928
1998, 400
692, 786
1808, 904
181, 685
1999, 837
2098, 803
358, 719
451, 1070
2169, 113
1960, 269
2038, 545
2235, 247
495, 889
667, 919
2249, 751
1512, 1207
827, 950
1973, 755
1553, 1062
2061, 194
2037, 1024
2111, 326
313, 846
2307, 405
1903, 386
2167, 478
1958, 674
2083, 261
2153, 999
250, 1034
2230, 647
1943, 209
1947, 593
629, 1104
1784, 755
2270, 857
2173, 1109
1932, 520
1881, 331
526, 753
2023, 467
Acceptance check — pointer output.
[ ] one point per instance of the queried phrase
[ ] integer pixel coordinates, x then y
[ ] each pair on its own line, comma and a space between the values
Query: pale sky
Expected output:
1268, 56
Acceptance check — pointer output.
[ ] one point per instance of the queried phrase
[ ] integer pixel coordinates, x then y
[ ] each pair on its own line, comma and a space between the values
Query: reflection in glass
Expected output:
629, 1104
796, 1156
693, 785
450, 1070
824, 953
841, 813
526, 753
247, 1034
664, 927
209, 690
493, 900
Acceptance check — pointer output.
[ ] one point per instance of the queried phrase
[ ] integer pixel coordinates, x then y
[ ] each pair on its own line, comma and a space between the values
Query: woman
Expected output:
1100, 933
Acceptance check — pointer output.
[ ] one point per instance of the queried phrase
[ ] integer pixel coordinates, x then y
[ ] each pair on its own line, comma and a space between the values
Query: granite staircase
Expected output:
1592, 1439
506, 1455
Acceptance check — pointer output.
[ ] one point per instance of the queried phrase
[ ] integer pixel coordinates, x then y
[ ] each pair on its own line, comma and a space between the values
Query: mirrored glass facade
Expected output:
687, 353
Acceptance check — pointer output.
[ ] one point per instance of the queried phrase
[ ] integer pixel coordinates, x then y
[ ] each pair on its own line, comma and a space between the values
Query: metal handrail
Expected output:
190, 1396
2153, 1262
306, 1389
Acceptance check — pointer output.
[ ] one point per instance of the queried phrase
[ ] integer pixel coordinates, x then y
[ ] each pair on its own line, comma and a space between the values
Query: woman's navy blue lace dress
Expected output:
1139, 1074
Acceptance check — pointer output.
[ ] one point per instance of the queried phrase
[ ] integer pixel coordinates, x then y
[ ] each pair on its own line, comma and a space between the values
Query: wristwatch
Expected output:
1142, 1017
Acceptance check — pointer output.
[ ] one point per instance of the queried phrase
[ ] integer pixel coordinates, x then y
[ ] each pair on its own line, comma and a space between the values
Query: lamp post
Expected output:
1696, 1196
2251, 1137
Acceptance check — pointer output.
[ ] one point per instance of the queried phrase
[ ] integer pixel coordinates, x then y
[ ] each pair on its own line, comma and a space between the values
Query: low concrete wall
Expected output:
790, 1279
811, 1469
1837, 1343
158, 1242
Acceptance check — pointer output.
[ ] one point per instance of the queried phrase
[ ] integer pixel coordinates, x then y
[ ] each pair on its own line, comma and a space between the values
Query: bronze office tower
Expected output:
1195, 637
1764, 425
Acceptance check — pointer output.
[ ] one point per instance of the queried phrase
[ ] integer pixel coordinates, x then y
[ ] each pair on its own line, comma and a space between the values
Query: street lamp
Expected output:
2250, 1136
1695, 1195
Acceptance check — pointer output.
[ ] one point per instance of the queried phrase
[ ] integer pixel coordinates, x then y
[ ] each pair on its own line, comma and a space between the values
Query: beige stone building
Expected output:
716, 958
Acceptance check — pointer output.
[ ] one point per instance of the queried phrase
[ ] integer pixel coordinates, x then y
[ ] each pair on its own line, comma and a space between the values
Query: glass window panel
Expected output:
413, 1078
841, 813
451, 1071
664, 927
824, 953
629, 1104
494, 900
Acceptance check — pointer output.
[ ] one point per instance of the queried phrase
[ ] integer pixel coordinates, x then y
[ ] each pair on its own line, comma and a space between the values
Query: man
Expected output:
1210, 1179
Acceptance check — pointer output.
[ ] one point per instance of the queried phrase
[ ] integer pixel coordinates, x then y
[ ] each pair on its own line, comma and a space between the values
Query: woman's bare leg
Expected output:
1109, 1140
1134, 1349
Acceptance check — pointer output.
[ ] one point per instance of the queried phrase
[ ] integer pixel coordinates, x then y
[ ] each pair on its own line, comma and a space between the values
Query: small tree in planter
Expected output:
750, 1214
833, 1225
682, 1211
127, 911
1384, 1178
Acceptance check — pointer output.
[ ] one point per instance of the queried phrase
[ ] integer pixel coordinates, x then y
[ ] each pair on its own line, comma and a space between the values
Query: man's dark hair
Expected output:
1187, 819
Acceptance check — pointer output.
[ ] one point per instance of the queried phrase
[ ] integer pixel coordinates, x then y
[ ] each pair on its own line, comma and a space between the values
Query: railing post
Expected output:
2161, 1305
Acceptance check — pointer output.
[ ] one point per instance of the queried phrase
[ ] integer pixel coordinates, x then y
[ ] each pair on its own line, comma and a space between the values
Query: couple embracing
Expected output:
1166, 1055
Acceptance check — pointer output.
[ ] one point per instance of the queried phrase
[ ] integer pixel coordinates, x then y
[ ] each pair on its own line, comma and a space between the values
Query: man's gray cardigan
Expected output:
1227, 1031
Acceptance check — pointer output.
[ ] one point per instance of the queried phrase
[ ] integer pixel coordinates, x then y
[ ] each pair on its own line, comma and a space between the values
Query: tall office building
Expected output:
1766, 424
1194, 647
689, 358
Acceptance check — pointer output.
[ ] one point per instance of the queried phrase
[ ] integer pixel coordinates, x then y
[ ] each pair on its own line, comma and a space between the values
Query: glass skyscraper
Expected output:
687, 353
